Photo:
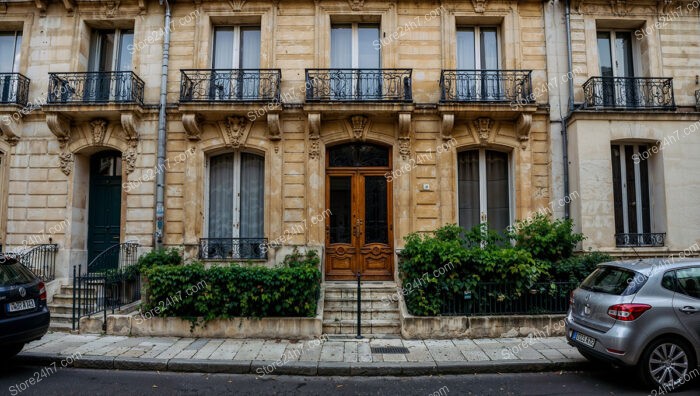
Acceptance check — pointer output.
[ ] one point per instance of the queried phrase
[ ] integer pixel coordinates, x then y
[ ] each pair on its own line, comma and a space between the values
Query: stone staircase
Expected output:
62, 310
380, 310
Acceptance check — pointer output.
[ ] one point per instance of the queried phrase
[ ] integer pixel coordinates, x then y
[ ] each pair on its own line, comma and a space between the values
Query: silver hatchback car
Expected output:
642, 313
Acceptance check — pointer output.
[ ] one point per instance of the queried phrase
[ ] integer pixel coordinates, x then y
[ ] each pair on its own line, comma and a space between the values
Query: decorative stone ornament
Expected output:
237, 5
356, 5
359, 126
522, 127
405, 135
479, 6
447, 125
9, 129
193, 125
483, 126
99, 130
619, 7
314, 125
237, 131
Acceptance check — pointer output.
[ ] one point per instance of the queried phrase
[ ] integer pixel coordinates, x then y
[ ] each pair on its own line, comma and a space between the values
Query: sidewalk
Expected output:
330, 356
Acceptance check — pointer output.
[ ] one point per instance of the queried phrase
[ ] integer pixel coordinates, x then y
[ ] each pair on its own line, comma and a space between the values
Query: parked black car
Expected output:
24, 315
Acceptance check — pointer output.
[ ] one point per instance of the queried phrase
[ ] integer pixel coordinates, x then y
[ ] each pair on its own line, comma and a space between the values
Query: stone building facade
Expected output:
335, 125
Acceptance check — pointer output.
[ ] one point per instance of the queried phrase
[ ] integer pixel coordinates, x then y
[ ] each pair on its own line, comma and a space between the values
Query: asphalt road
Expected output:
105, 382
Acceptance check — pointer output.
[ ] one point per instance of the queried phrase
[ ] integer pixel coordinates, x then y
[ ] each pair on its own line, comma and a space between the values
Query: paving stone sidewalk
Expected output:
326, 356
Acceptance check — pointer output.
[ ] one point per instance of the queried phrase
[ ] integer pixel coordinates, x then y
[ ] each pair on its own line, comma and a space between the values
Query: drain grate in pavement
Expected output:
390, 349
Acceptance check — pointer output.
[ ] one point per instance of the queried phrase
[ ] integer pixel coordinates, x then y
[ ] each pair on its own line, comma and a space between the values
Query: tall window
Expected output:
10, 45
236, 196
616, 63
631, 193
110, 51
484, 189
478, 58
353, 47
236, 59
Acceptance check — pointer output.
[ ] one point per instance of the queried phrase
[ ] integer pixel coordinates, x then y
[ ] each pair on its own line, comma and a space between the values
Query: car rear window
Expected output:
614, 280
15, 274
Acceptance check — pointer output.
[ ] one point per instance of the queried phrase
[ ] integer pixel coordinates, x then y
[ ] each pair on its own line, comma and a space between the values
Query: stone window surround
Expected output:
23, 26
82, 47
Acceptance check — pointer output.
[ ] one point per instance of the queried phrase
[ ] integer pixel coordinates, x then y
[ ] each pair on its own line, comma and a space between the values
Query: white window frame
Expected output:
355, 41
637, 188
613, 51
477, 44
236, 61
115, 51
16, 55
483, 186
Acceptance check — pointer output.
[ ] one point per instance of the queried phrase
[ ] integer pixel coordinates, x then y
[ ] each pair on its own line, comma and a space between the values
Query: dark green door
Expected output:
104, 208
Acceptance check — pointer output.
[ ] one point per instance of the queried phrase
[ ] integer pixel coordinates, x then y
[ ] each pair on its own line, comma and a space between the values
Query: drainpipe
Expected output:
569, 110
160, 175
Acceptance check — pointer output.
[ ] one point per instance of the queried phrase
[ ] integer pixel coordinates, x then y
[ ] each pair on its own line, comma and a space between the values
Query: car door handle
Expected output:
689, 310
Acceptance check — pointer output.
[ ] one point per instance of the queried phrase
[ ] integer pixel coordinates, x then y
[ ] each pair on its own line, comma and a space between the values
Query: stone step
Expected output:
387, 298
368, 327
62, 317
61, 308
343, 305
64, 327
392, 315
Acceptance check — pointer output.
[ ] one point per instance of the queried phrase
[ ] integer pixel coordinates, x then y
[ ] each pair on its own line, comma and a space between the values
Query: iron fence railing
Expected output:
629, 93
117, 257
14, 89
358, 85
233, 248
486, 86
95, 87
652, 239
41, 260
231, 85
99, 292
491, 298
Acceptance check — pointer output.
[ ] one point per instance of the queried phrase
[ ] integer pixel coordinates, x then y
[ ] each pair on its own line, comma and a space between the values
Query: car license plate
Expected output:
21, 305
583, 339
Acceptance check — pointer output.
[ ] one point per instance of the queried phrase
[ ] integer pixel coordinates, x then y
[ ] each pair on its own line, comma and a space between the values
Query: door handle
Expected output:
689, 310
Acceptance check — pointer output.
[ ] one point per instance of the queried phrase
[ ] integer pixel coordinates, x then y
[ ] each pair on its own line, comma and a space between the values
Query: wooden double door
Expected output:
359, 231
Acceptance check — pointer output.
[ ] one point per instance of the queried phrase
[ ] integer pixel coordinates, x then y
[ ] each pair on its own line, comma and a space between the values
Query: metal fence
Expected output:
233, 248
486, 86
41, 260
644, 239
14, 89
99, 292
231, 85
629, 93
358, 85
491, 298
95, 87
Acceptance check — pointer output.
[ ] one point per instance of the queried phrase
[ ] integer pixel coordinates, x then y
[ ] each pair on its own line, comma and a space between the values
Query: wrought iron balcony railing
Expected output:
95, 87
514, 86
636, 240
233, 248
358, 85
230, 85
14, 89
629, 93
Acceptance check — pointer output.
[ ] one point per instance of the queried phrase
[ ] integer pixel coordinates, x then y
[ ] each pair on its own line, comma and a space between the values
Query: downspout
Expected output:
160, 175
569, 110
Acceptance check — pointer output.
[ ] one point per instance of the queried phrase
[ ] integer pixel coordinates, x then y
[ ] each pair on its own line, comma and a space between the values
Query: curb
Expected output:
304, 368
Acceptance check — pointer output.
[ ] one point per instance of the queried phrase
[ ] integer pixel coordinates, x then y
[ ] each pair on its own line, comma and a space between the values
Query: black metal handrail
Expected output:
697, 99
95, 293
233, 248
650, 239
358, 85
230, 85
95, 87
629, 93
116, 257
486, 86
41, 260
490, 298
14, 89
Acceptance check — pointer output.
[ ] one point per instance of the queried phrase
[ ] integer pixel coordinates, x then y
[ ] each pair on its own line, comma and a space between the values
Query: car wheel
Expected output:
10, 351
666, 364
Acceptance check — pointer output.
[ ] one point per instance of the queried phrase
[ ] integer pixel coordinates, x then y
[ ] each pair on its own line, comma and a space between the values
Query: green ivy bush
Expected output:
191, 291
535, 250
157, 257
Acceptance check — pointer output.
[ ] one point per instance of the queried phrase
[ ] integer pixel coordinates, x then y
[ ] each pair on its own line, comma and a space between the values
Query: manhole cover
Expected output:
389, 349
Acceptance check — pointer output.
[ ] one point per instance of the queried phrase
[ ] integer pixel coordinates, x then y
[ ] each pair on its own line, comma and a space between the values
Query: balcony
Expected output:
233, 248
234, 85
14, 89
486, 86
629, 93
122, 87
359, 85
640, 240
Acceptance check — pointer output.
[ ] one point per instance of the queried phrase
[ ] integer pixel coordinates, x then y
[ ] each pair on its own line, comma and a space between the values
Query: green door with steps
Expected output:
104, 213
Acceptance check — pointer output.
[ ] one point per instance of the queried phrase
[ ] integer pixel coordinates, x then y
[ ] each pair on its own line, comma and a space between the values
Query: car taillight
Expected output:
627, 312
42, 291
